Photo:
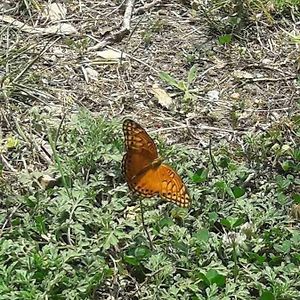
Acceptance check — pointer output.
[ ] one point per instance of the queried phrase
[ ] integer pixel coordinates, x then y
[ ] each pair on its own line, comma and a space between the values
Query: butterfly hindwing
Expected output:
172, 187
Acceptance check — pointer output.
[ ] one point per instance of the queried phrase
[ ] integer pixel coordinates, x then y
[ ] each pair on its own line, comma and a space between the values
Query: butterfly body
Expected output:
144, 171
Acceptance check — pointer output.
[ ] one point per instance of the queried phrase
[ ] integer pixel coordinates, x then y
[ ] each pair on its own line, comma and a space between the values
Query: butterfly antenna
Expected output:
144, 225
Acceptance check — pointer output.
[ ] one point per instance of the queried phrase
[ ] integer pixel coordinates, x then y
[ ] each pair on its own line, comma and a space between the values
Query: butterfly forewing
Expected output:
143, 170
146, 184
135, 166
141, 151
136, 138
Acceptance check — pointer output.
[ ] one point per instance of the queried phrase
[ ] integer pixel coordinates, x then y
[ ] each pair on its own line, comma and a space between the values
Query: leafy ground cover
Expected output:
216, 86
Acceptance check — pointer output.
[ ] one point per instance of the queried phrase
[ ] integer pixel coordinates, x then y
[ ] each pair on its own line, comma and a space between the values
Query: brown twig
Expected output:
9, 216
147, 6
61, 29
7, 164
112, 37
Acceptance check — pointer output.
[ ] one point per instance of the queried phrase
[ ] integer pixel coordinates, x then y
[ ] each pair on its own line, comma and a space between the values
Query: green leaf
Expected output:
182, 86
204, 278
296, 198
238, 191
223, 187
142, 252
224, 162
168, 79
296, 238
132, 260
225, 39
213, 216
285, 247
285, 148
267, 295
166, 222
214, 277
219, 280
296, 154
202, 235
40, 224
258, 259
282, 198
111, 240
238, 222
286, 165
211, 274
234, 20
200, 175
192, 74
226, 223
231, 222
187, 96
11, 143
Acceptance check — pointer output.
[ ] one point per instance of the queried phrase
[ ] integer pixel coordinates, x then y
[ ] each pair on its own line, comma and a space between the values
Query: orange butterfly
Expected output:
143, 169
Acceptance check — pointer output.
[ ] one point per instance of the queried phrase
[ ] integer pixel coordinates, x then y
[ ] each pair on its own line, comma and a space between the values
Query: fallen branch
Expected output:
116, 36
58, 29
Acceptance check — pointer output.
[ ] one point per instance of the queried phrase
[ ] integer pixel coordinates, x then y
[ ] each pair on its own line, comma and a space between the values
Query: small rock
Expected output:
213, 95
266, 61
235, 96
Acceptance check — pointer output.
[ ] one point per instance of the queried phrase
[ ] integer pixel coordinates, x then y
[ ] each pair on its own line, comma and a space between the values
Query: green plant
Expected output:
157, 26
183, 86
75, 239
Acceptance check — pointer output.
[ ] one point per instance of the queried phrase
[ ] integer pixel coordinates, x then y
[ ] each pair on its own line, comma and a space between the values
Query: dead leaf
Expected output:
295, 211
238, 74
235, 96
162, 96
111, 54
47, 181
55, 11
62, 28
89, 73
220, 64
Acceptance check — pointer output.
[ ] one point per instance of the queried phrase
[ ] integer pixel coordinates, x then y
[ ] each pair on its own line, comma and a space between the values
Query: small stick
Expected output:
117, 36
213, 161
8, 218
59, 128
143, 222
31, 63
146, 7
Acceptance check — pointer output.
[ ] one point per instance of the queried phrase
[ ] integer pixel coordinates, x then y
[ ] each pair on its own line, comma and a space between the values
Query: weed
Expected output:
183, 86
71, 240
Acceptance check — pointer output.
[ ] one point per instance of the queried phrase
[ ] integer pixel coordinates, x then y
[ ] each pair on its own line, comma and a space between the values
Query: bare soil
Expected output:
247, 85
